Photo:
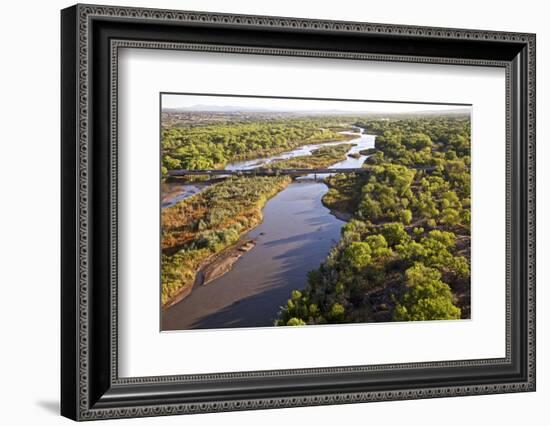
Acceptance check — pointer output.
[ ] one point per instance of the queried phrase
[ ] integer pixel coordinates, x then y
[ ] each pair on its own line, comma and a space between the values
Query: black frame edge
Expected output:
69, 319
105, 399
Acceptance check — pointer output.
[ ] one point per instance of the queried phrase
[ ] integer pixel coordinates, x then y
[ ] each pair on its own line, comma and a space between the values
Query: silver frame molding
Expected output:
91, 388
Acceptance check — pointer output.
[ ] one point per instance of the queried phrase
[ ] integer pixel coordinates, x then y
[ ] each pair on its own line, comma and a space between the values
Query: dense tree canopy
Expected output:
213, 145
213, 220
426, 298
405, 253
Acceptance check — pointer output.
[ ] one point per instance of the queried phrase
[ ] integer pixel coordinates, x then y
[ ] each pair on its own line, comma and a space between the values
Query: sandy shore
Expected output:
214, 267
221, 263
224, 261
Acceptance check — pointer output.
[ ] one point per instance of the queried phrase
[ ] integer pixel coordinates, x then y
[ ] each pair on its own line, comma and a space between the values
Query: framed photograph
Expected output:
263, 212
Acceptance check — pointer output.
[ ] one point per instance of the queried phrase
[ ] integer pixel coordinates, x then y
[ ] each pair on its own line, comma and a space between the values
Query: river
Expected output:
295, 236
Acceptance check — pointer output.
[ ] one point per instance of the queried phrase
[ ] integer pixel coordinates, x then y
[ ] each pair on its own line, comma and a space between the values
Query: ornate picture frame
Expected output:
91, 37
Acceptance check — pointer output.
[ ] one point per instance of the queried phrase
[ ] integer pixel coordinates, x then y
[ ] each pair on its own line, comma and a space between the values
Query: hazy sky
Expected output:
276, 105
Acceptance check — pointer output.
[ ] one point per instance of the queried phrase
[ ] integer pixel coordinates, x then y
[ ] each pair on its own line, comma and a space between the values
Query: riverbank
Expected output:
336, 138
295, 235
344, 195
224, 261
205, 224
196, 141
405, 256
344, 216
177, 189
212, 221
174, 191
212, 268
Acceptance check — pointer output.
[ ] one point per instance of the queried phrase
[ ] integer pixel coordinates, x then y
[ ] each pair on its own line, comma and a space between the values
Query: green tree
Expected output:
418, 141
354, 229
406, 216
357, 255
295, 321
370, 209
337, 312
171, 163
394, 233
450, 216
427, 297
378, 245
406, 248
411, 251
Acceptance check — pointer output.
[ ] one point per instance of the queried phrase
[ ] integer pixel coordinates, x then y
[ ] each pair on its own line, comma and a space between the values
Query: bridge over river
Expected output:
275, 172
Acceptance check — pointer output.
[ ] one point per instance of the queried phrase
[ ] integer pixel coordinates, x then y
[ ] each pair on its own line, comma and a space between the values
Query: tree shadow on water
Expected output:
261, 309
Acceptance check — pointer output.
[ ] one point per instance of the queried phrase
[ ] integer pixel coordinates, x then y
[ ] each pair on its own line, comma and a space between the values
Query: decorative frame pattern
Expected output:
86, 405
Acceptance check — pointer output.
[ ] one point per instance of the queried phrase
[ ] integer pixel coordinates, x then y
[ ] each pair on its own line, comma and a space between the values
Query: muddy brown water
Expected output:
295, 236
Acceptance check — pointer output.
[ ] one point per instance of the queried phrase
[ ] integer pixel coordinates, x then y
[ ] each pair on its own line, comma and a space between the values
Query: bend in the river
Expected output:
295, 236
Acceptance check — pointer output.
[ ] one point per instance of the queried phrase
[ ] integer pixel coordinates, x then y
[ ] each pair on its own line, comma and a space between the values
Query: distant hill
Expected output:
229, 109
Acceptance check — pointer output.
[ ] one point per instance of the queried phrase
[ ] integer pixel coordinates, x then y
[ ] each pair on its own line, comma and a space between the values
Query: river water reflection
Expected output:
295, 236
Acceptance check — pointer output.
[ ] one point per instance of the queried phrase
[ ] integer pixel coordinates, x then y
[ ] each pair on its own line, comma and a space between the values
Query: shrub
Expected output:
394, 233
295, 321
337, 312
378, 245
427, 298
406, 216
357, 255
